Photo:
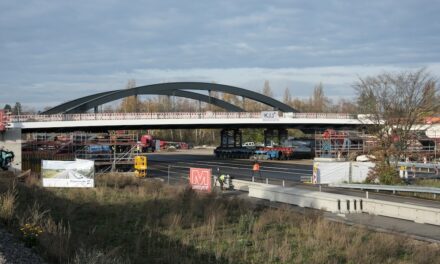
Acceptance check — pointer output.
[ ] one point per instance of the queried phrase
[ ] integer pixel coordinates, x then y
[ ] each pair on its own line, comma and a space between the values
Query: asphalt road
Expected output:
69, 174
177, 164
174, 167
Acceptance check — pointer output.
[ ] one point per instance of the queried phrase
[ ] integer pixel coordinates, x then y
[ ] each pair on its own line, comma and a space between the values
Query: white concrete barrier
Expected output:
416, 213
338, 203
304, 198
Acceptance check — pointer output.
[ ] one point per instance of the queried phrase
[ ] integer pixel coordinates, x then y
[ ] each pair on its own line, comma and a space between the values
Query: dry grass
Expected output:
126, 220
8, 204
428, 182
95, 256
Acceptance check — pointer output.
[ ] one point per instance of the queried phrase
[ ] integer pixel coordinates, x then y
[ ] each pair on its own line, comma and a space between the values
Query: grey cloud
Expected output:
58, 45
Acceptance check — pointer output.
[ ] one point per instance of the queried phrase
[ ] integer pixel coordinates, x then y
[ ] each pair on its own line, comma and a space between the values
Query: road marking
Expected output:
232, 162
280, 170
286, 175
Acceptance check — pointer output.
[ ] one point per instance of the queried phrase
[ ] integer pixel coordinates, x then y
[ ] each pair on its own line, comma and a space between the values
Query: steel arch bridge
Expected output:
179, 89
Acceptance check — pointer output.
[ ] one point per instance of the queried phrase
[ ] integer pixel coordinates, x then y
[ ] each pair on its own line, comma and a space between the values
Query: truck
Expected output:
280, 153
147, 143
239, 152
289, 149
95, 152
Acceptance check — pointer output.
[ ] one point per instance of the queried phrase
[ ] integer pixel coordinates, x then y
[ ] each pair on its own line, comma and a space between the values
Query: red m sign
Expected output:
200, 179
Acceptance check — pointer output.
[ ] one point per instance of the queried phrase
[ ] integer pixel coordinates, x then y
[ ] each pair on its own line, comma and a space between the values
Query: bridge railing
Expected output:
168, 115
320, 115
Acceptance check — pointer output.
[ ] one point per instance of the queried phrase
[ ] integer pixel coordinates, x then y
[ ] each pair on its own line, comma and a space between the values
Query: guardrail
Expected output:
421, 165
393, 188
168, 115
320, 115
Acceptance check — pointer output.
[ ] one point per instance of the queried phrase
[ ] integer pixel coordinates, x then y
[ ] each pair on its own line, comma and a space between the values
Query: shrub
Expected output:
384, 173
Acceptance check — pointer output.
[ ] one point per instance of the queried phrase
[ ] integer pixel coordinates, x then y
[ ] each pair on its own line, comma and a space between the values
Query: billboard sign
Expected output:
70, 174
269, 115
200, 179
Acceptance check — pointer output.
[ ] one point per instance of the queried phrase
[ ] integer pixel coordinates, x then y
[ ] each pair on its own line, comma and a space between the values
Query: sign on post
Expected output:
269, 115
200, 179
73, 174
315, 175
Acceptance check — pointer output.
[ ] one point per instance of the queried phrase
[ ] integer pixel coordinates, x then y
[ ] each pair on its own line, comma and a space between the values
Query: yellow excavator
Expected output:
140, 166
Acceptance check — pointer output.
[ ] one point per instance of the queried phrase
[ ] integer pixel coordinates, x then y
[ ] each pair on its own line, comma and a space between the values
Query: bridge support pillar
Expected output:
278, 137
231, 138
11, 140
268, 137
282, 135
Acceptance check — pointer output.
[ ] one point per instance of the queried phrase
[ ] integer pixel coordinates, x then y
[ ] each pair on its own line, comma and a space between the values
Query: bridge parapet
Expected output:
320, 115
169, 115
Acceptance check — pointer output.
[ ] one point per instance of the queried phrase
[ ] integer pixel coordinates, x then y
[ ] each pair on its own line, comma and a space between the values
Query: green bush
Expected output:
384, 173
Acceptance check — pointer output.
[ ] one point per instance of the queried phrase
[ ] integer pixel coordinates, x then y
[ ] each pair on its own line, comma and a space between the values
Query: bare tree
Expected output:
267, 90
17, 109
394, 104
319, 102
345, 106
130, 104
287, 98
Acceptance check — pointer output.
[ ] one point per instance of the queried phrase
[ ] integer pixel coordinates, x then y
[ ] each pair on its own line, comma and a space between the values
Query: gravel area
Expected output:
12, 251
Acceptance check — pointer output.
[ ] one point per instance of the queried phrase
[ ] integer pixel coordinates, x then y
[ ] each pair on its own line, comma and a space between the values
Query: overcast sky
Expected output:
55, 51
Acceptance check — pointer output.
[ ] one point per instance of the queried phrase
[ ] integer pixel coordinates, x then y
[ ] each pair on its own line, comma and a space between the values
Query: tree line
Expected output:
401, 98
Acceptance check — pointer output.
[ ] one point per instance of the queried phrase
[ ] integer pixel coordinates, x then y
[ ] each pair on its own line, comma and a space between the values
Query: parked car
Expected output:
249, 145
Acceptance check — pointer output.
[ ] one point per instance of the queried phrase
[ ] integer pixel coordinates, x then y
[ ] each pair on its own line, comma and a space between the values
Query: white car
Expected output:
249, 145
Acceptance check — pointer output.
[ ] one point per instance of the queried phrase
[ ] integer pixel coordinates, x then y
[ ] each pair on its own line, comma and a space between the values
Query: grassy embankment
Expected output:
424, 183
125, 220
428, 183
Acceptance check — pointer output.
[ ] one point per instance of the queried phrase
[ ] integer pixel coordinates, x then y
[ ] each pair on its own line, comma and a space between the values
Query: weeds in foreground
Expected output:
56, 240
428, 182
8, 204
132, 221
96, 256
30, 233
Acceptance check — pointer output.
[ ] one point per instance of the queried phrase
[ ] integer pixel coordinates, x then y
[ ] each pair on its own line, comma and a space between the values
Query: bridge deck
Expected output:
181, 120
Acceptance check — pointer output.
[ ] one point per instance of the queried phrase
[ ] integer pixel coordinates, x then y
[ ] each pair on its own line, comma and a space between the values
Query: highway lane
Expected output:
177, 165
290, 171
